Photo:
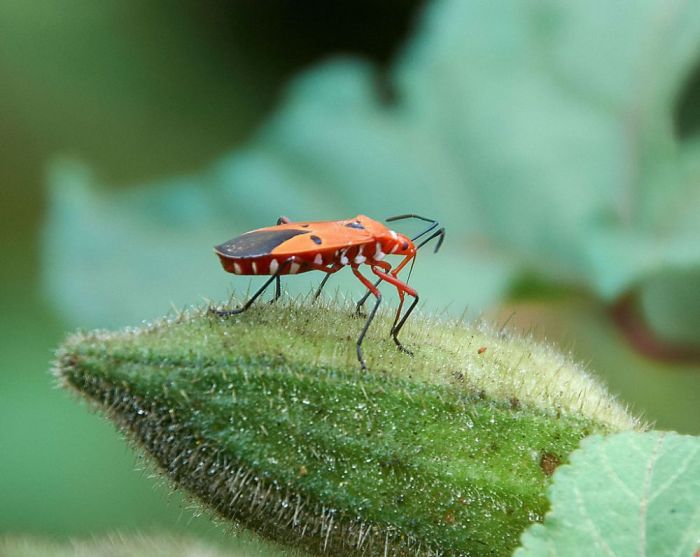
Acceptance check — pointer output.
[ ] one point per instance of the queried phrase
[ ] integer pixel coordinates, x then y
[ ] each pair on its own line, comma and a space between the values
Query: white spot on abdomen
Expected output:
318, 259
255, 267
274, 265
360, 259
294, 268
378, 253
237, 268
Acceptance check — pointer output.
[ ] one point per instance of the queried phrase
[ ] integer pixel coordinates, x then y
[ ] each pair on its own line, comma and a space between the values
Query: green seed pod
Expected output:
268, 421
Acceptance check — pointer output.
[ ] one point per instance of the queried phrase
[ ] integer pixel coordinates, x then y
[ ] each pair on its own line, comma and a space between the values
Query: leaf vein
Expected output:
680, 471
644, 501
592, 528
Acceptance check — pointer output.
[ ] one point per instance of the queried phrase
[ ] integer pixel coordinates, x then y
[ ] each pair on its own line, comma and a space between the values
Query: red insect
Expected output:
291, 248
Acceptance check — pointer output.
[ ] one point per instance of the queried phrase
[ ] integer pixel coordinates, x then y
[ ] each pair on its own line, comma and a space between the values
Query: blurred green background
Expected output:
558, 143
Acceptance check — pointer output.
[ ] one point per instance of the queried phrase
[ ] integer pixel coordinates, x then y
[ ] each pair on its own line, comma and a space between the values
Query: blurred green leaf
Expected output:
626, 494
540, 133
672, 299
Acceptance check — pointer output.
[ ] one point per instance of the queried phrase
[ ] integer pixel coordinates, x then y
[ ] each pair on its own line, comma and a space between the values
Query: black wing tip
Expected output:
256, 243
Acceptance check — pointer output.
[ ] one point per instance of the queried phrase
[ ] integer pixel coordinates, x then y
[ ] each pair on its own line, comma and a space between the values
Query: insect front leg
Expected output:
384, 265
440, 234
360, 304
402, 288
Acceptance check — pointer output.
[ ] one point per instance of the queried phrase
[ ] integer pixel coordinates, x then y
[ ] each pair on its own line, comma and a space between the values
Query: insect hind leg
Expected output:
244, 307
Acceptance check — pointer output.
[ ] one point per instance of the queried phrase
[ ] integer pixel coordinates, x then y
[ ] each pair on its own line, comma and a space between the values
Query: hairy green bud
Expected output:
267, 419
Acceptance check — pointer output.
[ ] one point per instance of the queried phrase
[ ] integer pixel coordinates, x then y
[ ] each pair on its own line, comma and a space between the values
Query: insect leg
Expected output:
361, 302
278, 282
320, 286
328, 270
278, 289
399, 326
437, 234
402, 288
358, 307
377, 294
229, 312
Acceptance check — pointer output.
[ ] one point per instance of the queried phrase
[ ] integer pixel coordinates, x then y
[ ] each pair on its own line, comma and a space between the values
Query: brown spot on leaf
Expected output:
549, 463
481, 350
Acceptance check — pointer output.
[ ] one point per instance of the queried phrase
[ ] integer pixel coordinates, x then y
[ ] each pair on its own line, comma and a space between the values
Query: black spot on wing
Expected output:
316, 240
355, 224
256, 243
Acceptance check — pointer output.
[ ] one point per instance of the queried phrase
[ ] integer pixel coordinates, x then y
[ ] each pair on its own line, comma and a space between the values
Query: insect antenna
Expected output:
433, 224
440, 234
410, 269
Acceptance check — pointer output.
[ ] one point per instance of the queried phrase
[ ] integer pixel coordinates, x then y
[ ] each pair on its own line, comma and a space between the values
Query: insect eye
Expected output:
405, 245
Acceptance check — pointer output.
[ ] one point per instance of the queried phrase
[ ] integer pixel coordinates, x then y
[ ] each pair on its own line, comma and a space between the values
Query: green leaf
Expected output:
625, 494
267, 419
539, 132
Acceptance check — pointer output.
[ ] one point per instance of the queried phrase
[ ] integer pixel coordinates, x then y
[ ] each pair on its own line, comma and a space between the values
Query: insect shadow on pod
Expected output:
290, 248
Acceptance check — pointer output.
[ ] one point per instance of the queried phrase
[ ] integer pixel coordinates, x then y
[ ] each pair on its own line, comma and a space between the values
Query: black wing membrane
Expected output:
257, 243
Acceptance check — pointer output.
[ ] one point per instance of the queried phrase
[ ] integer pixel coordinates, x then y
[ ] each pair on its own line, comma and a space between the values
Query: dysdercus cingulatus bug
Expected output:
290, 248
